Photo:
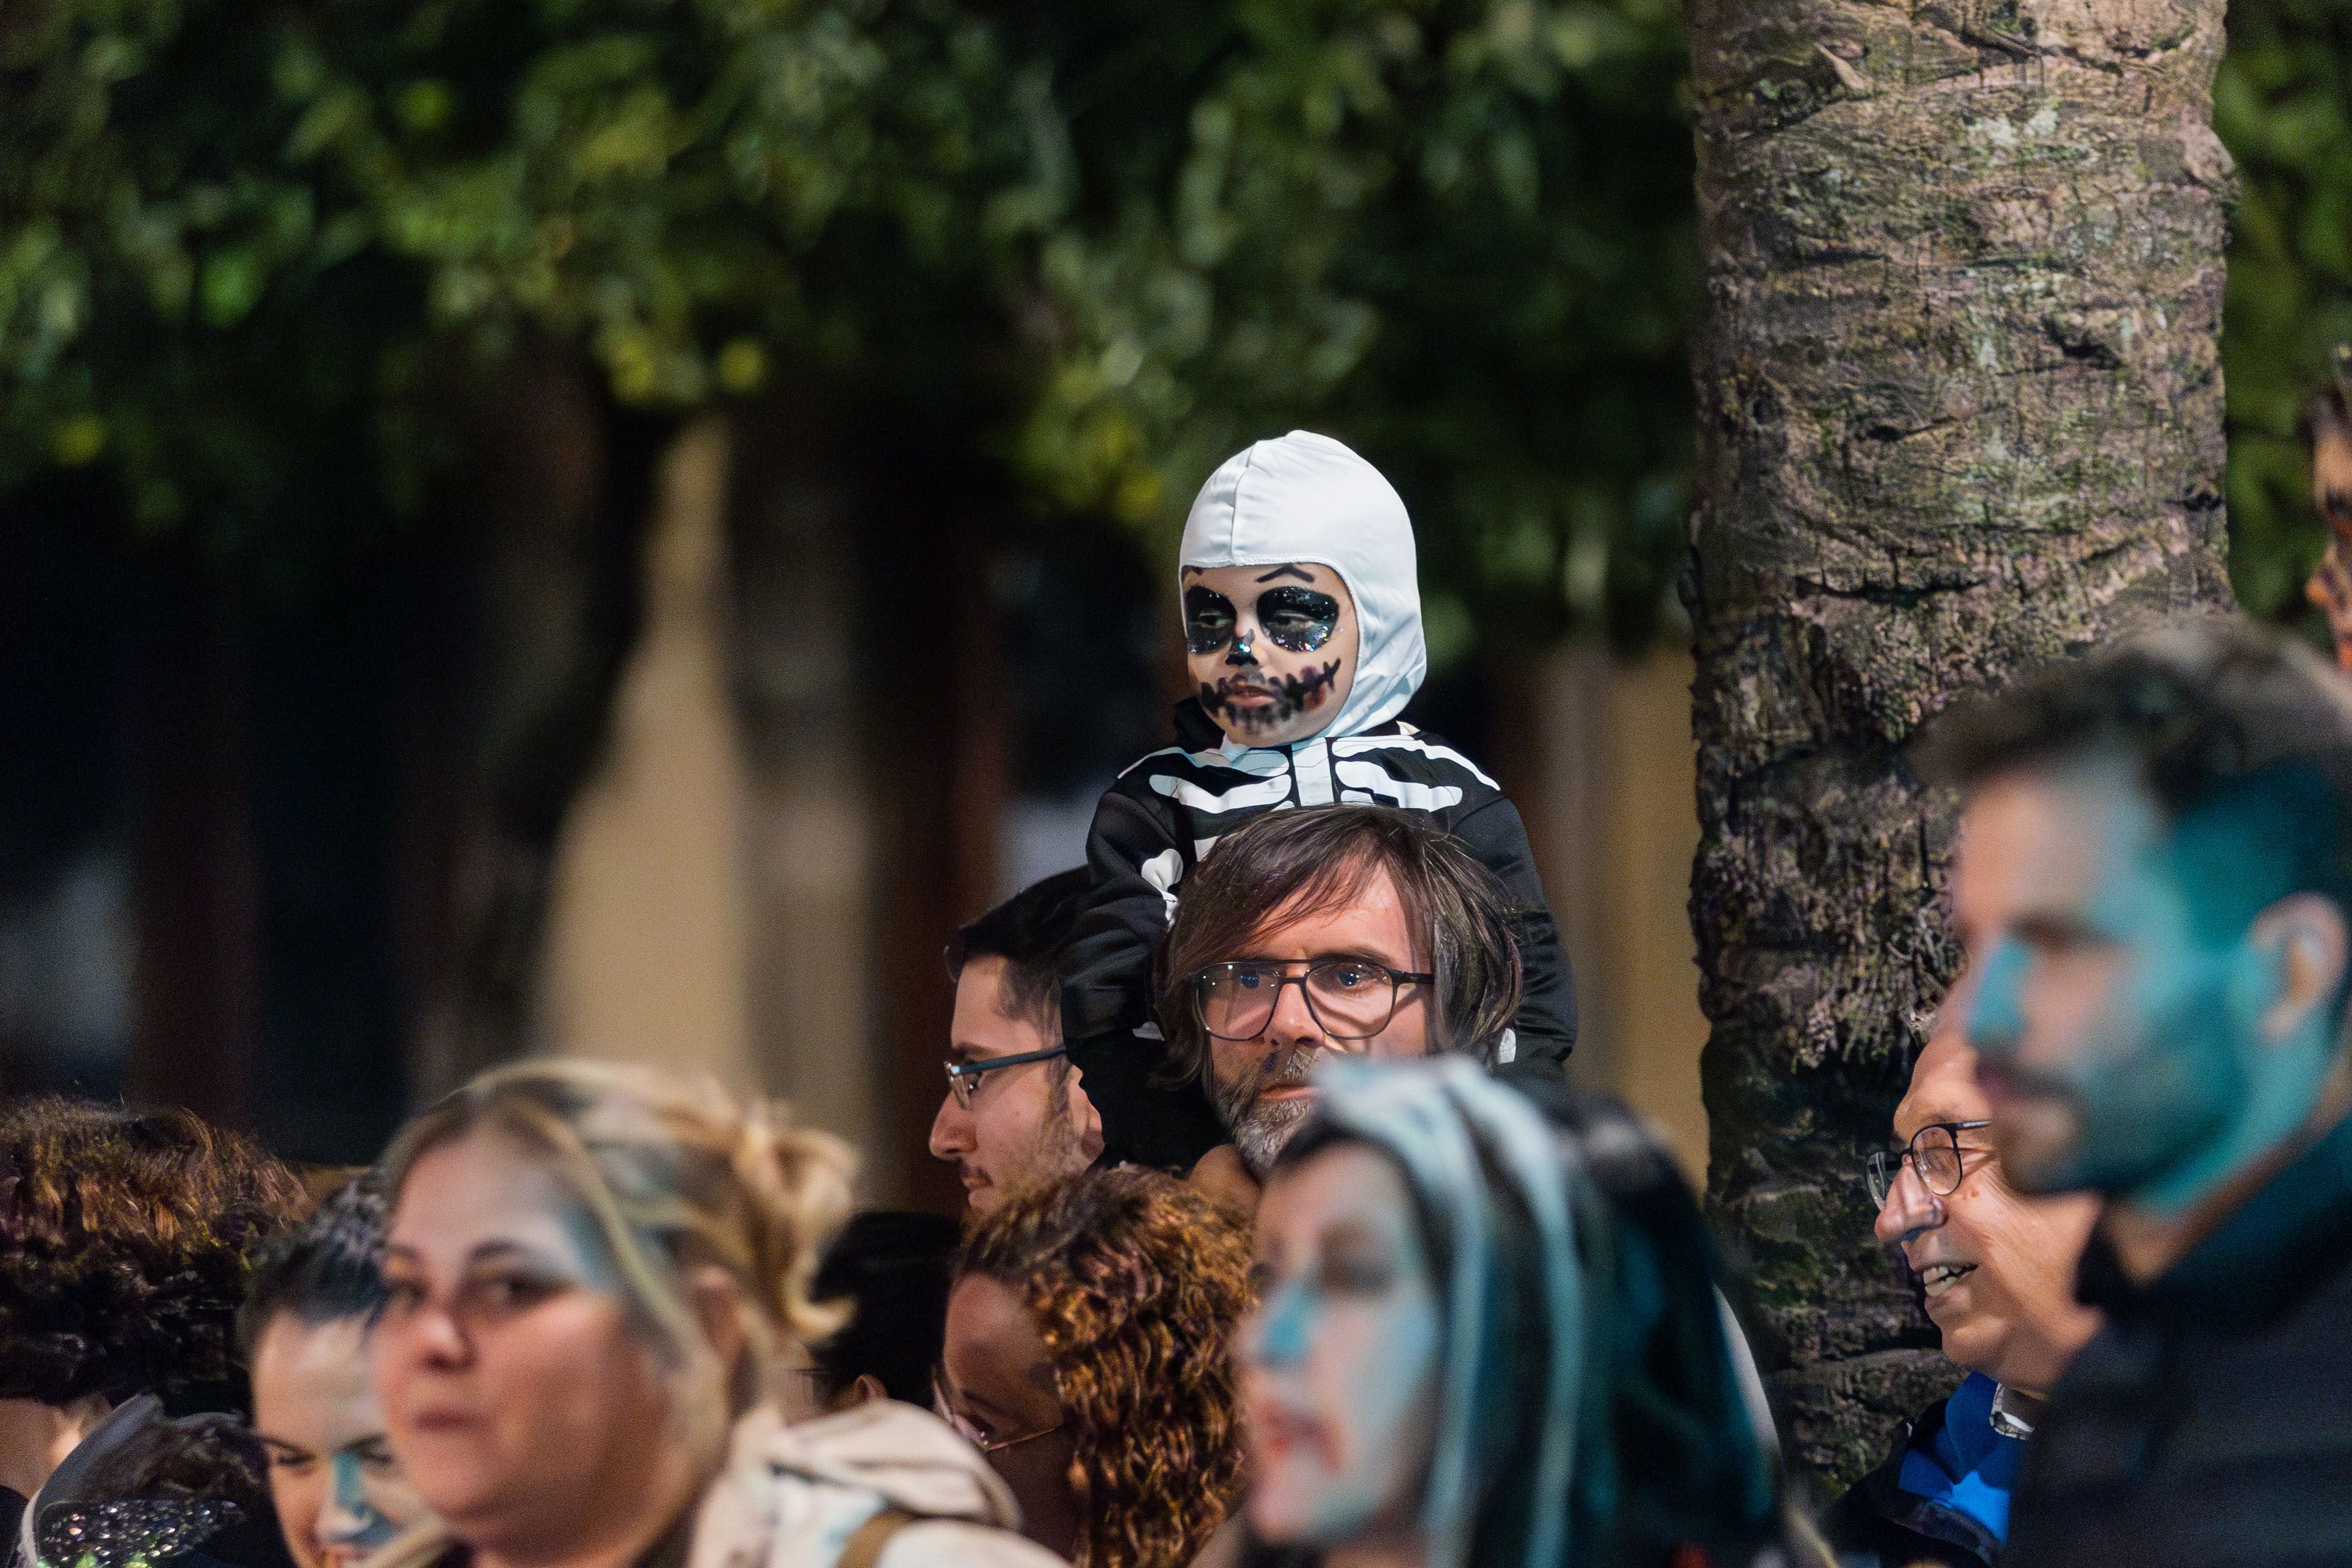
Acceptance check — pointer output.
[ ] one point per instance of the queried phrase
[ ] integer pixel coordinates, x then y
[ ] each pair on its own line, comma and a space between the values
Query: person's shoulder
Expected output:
1404, 752
962, 1543
792, 1491
1877, 1522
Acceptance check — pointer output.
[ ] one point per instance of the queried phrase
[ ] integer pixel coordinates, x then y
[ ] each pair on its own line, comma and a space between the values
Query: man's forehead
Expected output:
1364, 909
2034, 834
1943, 1087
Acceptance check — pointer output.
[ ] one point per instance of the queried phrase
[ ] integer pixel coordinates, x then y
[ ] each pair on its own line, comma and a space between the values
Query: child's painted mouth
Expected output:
1259, 703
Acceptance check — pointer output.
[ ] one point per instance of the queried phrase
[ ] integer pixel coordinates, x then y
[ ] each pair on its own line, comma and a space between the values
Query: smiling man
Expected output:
1997, 1271
1349, 929
2153, 885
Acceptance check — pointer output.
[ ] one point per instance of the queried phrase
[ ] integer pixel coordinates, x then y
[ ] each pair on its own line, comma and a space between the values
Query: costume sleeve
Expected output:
1107, 971
1546, 1021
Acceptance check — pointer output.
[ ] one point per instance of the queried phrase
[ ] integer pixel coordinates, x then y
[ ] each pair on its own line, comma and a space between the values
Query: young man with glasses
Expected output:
2152, 882
1997, 1270
1349, 929
1016, 1114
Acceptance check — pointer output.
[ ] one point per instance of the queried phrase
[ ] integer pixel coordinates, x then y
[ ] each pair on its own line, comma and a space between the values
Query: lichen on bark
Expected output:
1960, 413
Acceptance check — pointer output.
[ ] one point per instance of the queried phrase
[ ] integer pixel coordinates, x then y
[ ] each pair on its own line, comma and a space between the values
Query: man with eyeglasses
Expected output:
1347, 930
1997, 1270
1016, 1114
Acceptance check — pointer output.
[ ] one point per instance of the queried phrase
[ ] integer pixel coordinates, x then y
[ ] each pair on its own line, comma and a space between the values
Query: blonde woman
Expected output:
594, 1279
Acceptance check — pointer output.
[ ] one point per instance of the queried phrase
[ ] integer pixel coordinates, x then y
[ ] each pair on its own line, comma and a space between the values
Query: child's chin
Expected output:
1298, 727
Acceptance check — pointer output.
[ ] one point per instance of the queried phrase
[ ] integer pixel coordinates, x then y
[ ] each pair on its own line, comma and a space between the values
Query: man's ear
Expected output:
2308, 940
717, 1301
1083, 1114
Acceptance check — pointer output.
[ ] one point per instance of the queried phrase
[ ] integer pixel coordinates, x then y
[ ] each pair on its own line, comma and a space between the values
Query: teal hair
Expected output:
1588, 1408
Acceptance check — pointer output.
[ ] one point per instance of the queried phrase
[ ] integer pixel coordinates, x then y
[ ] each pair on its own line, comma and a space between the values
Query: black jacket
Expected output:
1879, 1524
1165, 812
2209, 1425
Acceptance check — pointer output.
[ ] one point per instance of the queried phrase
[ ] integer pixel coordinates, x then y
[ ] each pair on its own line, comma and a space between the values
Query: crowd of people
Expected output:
1287, 1240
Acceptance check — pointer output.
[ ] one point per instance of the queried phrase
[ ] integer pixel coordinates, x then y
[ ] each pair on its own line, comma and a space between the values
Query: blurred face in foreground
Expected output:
1998, 1268
520, 1402
1339, 1362
2132, 1038
1260, 1085
338, 1493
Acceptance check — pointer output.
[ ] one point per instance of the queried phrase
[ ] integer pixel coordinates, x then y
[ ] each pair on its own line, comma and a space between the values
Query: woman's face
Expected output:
999, 1392
522, 1405
338, 1493
1339, 1362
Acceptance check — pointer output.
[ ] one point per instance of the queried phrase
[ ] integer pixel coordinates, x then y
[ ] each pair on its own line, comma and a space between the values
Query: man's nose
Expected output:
1910, 1208
951, 1131
1293, 1021
1245, 646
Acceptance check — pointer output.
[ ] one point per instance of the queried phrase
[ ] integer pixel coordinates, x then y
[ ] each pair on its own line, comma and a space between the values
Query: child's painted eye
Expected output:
1298, 619
1208, 619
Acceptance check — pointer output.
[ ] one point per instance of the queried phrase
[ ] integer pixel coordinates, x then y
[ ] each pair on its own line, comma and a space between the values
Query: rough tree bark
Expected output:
1960, 413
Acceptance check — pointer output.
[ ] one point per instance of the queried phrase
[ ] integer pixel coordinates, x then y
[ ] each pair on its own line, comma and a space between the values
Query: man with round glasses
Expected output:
1997, 1270
1347, 930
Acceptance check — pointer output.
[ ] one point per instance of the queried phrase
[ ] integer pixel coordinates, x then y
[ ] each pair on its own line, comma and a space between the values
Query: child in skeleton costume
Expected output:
1302, 622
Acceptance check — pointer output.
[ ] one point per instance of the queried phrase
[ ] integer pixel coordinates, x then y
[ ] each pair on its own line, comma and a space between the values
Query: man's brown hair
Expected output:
2228, 726
1311, 861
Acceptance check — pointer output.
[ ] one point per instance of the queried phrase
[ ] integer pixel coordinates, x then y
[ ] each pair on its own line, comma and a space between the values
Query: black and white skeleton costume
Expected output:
1304, 498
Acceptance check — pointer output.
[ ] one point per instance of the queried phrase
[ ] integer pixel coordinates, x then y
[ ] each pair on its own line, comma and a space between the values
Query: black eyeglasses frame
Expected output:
1881, 1180
1199, 984
964, 1078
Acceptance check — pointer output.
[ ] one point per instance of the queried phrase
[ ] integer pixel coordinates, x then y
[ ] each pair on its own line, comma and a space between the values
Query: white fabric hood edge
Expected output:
1304, 497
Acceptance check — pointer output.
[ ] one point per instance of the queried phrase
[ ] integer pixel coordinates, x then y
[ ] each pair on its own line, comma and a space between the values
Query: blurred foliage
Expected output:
2283, 102
245, 245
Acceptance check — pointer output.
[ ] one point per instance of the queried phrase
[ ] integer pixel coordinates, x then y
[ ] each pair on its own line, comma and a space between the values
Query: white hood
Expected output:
1307, 498
792, 1496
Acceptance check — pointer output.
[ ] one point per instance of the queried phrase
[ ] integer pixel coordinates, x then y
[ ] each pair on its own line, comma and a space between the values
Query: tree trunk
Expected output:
1960, 413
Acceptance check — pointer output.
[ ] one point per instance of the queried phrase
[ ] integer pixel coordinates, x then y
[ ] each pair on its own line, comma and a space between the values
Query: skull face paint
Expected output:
1272, 650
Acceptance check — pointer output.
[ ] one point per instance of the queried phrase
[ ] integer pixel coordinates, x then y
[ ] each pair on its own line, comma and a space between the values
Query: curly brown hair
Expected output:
125, 1239
1134, 1281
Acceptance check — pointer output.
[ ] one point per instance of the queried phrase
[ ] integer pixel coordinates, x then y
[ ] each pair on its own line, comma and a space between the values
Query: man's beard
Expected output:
1261, 1128
1058, 1151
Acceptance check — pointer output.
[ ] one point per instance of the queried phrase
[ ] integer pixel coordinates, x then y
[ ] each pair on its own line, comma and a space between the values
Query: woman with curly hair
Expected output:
1087, 1356
125, 1241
